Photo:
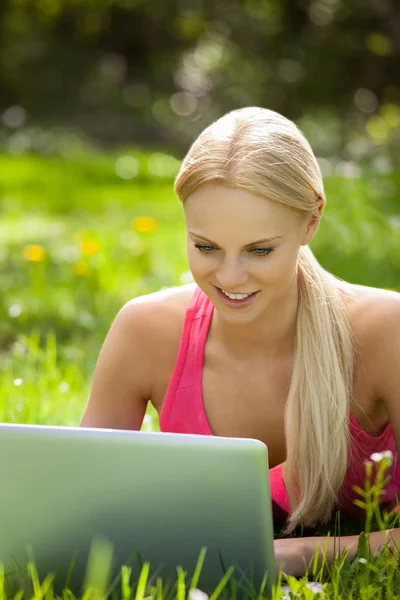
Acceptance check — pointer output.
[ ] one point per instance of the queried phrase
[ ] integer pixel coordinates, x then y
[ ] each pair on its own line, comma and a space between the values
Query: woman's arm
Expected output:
294, 555
334, 547
121, 384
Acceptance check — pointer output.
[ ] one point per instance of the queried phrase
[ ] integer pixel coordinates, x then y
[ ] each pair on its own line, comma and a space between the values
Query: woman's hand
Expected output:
291, 556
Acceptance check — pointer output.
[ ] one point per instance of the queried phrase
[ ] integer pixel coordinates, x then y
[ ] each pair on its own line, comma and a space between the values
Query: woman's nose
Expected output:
231, 277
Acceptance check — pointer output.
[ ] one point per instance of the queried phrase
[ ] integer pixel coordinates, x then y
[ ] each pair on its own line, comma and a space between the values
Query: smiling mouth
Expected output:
238, 295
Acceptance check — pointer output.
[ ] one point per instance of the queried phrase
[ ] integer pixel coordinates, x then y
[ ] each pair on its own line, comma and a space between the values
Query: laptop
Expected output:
144, 497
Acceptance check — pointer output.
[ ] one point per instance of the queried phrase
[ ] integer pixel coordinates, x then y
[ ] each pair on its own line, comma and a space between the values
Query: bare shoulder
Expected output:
374, 315
372, 311
162, 317
161, 312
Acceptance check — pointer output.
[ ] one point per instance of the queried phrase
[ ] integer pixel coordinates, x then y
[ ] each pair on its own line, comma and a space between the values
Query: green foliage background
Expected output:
82, 215
157, 73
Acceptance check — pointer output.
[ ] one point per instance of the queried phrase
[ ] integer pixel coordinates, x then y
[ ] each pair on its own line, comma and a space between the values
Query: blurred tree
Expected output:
131, 70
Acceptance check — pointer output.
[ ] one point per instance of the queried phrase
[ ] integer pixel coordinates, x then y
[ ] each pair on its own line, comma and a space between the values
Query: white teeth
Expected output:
236, 296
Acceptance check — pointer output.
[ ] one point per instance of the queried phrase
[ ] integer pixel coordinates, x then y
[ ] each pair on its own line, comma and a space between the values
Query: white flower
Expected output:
315, 587
196, 594
377, 457
19, 381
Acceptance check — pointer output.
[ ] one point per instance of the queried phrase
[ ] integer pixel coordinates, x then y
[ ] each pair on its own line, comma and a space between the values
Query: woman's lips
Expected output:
236, 303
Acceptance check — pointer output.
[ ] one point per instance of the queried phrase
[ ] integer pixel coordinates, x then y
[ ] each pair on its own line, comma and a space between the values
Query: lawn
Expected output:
81, 235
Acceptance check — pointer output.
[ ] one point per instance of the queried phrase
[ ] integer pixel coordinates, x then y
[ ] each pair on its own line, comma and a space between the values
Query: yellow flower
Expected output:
144, 224
90, 247
81, 269
34, 253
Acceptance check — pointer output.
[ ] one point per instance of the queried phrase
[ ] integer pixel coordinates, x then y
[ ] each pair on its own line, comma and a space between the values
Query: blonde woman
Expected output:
265, 344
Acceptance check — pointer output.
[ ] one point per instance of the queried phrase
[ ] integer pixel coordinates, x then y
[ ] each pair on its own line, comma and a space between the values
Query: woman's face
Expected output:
242, 243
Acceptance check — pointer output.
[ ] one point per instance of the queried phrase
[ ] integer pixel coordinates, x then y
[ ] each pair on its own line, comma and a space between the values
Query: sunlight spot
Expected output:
186, 277
15, 310
348, 169
183, 103
86, 319
394, 222
163, 165
18, 349
14, 116
126, 167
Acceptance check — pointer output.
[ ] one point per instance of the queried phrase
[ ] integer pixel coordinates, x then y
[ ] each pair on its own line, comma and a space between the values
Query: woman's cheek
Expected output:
197, 263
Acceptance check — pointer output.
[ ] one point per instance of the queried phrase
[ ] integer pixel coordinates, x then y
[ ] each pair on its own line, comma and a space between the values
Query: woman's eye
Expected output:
205, 249
256, 251
262, 251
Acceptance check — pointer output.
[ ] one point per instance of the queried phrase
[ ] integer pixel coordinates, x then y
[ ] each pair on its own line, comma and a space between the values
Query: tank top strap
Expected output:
194, 337
183, 399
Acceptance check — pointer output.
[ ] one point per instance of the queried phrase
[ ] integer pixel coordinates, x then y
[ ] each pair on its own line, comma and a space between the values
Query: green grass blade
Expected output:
222, 584
198, 568
141, 588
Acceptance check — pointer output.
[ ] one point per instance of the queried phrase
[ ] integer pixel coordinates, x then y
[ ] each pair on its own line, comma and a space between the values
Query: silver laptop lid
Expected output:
164, 495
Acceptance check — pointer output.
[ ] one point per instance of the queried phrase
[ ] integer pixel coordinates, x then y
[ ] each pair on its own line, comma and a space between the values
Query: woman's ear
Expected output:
311, 223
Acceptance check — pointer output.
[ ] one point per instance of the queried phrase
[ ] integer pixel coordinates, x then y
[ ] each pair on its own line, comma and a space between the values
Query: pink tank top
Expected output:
183, 412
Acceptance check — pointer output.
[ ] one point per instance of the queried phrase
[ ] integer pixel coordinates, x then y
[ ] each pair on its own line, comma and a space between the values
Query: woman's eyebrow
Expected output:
270, 239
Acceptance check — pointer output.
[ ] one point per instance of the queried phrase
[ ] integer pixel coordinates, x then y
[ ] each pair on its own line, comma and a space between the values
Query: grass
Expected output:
81, 235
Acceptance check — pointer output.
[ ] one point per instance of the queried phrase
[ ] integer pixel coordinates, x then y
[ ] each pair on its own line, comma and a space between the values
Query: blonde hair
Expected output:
262, 152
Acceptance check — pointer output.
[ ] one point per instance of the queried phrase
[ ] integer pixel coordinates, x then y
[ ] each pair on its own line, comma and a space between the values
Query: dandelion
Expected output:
34, 253
18, 382
90, 247
144, 225
81, 269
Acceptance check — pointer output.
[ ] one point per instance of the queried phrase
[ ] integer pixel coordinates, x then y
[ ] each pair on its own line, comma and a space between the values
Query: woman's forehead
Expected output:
218, 207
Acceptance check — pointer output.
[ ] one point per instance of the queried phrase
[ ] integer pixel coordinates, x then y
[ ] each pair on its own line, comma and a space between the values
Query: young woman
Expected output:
265, 344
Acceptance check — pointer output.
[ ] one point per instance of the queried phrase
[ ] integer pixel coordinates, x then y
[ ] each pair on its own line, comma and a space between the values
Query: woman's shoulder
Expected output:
161, 316
165, 300
161, 313
370, 307
374, 315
